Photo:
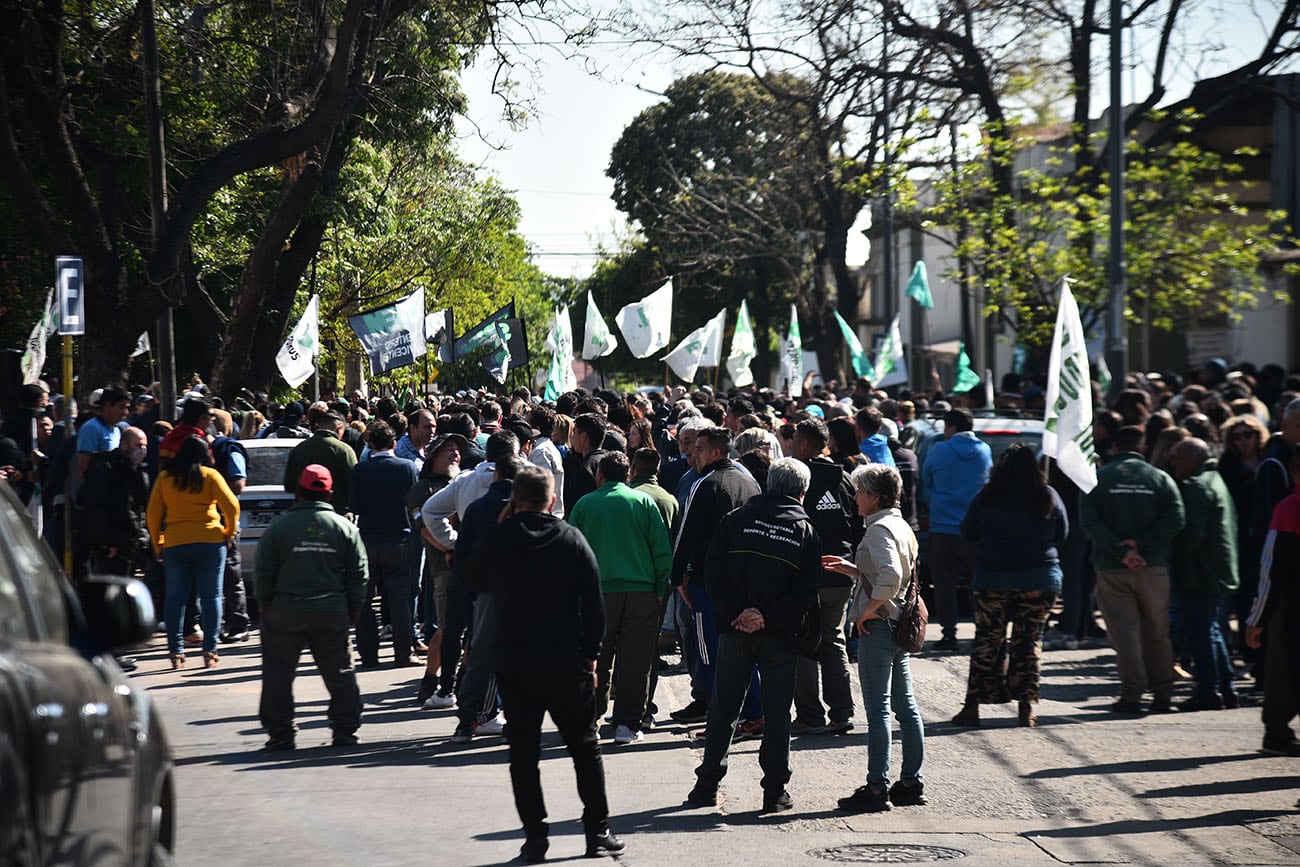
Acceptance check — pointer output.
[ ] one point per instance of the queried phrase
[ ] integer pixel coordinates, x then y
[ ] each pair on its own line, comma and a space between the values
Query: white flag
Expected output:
1067, 418
437, 331
296, 358
645, 323
743, 350
693, 352
141, 345
410, 317
792, 357
560, 378
599, 341
34, 350
891, 364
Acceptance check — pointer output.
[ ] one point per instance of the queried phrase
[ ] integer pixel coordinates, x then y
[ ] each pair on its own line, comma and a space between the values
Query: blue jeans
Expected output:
1199, 614
887, 682
199, 565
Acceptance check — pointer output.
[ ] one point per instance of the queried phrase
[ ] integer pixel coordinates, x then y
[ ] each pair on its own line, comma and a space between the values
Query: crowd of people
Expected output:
534, 556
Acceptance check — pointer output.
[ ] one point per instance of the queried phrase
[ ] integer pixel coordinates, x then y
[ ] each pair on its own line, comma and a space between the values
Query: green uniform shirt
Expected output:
626, 531
1205, 551
1132, 500
330, 452
311, 559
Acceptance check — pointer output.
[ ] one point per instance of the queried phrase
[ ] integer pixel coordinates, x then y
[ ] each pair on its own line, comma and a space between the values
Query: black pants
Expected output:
284, 635
235, 605
390, 573
571, 700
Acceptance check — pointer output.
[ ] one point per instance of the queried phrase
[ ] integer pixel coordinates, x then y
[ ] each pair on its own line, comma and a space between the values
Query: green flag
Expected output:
966, 378
861, 361
918, 287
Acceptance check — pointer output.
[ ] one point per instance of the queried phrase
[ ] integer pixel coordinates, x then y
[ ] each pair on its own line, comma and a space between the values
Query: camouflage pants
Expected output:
1000, 671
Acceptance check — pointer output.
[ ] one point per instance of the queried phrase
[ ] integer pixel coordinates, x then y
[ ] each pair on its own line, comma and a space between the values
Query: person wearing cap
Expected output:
524, 431
311, 572
290, 426
327, 448
102, 433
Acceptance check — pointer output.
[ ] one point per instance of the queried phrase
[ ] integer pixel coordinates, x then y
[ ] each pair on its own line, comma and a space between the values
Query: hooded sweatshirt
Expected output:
546, 594
954, 471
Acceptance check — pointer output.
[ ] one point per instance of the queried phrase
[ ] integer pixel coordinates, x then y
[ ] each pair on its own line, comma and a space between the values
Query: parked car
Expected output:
86, 773
264, 497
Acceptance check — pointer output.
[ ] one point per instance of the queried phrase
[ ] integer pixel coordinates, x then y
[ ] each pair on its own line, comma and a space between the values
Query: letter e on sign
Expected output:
68, 273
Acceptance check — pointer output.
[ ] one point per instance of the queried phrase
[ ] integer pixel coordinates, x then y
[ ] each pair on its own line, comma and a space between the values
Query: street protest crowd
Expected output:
527, 556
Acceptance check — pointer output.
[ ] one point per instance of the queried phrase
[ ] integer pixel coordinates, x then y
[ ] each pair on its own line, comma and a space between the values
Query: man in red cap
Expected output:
311, 574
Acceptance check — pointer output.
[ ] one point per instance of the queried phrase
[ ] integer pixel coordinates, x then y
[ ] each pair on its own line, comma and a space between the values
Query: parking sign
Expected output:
72, 304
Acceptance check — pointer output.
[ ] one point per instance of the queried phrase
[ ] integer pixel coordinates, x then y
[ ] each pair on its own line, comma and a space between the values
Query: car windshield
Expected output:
266, 466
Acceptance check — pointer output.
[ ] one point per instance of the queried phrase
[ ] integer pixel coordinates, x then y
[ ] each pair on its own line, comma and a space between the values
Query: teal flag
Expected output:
966, 378
862, 365
918, 287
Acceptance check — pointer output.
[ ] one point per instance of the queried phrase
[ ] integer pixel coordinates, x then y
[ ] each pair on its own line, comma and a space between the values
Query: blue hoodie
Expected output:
955, 469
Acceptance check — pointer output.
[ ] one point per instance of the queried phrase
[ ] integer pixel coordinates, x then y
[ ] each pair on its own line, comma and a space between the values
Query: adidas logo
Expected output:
827, 502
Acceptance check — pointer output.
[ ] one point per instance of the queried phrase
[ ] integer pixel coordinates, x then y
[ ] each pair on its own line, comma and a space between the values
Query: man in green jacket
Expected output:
311, 574
325, 447
1205, 571
627, 533
1132, 517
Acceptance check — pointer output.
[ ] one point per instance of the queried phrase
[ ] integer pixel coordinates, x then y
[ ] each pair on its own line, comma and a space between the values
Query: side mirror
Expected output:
119, 611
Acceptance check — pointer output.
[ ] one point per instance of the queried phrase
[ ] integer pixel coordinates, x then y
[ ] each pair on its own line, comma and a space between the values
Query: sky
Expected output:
556, 162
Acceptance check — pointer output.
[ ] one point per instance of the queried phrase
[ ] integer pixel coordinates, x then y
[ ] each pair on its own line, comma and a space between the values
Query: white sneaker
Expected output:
438, 701
625, 735
494, 726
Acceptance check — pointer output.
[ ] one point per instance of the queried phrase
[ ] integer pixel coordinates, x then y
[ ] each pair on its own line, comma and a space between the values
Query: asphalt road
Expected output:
1085, 787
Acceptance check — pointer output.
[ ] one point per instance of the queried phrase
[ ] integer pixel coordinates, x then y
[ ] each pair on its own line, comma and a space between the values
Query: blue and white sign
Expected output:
68, 274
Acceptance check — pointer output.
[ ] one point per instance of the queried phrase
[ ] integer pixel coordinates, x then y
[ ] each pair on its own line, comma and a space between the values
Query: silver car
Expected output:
264, 497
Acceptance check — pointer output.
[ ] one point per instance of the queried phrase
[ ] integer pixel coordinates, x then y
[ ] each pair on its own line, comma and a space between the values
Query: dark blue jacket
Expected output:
1016, 547
378, 497
480, 516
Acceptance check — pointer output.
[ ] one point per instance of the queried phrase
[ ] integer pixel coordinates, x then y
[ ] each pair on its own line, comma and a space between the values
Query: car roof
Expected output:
273, 443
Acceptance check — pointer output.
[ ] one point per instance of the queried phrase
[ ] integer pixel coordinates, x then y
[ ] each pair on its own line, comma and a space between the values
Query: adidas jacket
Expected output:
833, 513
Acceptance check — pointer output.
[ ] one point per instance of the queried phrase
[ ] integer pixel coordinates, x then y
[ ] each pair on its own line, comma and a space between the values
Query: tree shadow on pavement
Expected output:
1143, 766
1225, 787
1125, 827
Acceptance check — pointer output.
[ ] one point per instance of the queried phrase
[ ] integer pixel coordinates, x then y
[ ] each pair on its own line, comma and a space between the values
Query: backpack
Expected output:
912, 620
222, 447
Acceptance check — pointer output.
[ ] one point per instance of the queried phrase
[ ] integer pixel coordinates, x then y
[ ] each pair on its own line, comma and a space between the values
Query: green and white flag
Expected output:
141, 345
33, 361
699, 348
598, 341
792, 357
966, 377
645, 323
559, 340
743, 349
918, 287
862, 365
891, 364
497, 362
296, 358
1067, 418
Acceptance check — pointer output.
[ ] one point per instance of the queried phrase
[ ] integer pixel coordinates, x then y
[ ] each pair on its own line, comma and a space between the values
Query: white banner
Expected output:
1067, 417
437, 332
891, 364
141, 345
743, 349
792, 357
296, 358
559, 341
34, 351
695, 350
645, 324
599, 341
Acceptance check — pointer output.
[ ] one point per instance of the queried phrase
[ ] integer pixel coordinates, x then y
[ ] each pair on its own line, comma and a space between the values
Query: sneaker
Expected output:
494, 726
1200, 702
194, 639
703, 796
234, 637
947, 644
1126, 706
463, 734
1162, 705
1273, 747
648, 722
279, 745
777, 803
695, 712
627, 735
386, 632
799, 727
907, 794
839, 727
1181, 673
749, 729
1231, 701
345, 740
866, 799
438, 701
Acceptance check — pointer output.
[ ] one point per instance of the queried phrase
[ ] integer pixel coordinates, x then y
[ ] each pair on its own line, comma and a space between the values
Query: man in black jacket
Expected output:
722, 487
762, 571
113, 502
550, 618
834, 513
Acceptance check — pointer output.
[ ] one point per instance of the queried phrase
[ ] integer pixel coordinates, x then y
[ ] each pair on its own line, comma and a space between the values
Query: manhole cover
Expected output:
887, 853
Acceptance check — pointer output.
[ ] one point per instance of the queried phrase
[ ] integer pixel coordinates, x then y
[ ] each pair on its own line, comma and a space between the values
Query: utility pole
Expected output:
158, 201
887, 221
1116, 330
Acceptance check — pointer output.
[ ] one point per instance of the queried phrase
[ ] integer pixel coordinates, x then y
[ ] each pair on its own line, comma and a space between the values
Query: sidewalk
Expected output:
1084, 787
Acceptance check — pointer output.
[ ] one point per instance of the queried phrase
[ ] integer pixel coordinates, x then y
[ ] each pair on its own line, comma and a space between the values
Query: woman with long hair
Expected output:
882, 568
640, 435
192, 517
846, 450
1017, 522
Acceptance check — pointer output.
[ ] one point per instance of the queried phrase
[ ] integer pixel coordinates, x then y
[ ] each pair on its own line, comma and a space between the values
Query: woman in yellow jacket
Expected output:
192, 516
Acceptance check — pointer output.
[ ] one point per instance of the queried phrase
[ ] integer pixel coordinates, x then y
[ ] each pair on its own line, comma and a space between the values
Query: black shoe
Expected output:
695, 712
348, 740
907, 795
703, 796
126, 663
1125, 706
368, 664
1231, 701
866, 799
778, 803
1199, 702
234, 637
604, 843
1162, 705
1273, 747
278, 745
534, 850
947, 644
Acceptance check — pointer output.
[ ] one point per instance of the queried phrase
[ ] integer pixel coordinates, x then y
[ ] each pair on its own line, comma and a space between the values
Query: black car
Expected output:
86, 774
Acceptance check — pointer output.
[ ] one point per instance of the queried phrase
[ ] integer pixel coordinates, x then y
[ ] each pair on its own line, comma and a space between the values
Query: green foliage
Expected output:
1193, 251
